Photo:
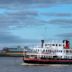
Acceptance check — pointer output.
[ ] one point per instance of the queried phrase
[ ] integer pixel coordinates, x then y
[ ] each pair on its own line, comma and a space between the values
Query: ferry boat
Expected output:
51, 52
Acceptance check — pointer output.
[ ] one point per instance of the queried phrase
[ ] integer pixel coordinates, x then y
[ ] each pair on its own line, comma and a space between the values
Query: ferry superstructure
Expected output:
52, 52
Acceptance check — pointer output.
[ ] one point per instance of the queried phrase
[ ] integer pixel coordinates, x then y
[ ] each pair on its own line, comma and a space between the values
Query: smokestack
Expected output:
66, 44
42, 43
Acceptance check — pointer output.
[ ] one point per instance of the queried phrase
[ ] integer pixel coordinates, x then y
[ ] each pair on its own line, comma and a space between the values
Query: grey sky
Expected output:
16, 14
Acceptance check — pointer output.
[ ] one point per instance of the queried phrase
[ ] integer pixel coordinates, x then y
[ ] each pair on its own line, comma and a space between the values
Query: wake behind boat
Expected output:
53, 52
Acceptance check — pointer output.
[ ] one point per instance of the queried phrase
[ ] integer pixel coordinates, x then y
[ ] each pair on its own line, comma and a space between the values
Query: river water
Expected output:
15, 64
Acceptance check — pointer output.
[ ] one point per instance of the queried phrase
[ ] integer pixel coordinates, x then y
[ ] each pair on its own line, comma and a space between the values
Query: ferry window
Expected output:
70, 51
60, 50
53, 44
61, 56
45, 44
43, 51
56, 44
49, 50
67, 51
66, 56
56, 50
38, 50
59, 44
46, 50
63, 45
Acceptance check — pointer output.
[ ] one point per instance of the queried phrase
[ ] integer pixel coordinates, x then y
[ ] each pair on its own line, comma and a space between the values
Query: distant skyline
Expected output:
26, 21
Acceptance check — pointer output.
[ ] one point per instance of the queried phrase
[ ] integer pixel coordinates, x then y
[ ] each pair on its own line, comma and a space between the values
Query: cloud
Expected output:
58, 14
6, 37
27, 1
22, 13
61, 21
19, 19
13, 20
66, 26
65, 36
41, 1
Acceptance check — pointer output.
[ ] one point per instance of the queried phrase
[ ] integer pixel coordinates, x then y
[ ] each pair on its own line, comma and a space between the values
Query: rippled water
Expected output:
12, 64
